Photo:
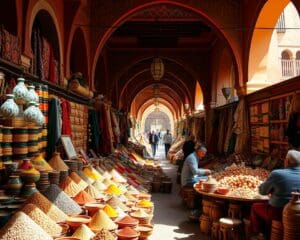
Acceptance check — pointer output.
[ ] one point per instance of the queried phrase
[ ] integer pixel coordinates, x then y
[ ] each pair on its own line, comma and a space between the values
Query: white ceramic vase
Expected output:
31, 113
41, 118
9, 109
20, 92
32, 95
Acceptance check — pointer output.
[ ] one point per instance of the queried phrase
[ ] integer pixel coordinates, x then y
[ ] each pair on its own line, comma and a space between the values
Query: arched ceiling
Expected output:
180, 37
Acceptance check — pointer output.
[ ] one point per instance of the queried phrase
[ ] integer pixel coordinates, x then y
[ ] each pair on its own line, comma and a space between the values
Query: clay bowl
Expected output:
145, 230
144, 196
125, 223
209, 187
76, 221
93, 207
222, 190
127, 237
67, 238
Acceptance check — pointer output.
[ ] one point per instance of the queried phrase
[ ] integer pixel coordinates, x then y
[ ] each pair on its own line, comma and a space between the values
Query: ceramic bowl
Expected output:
93, 207
65, 228
222, 190
76, 221
145, 230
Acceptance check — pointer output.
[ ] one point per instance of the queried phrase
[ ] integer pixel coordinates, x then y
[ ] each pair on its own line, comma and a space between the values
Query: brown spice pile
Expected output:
104, 235
70, 187
42, 219
57, 163
93, 192
47, 207
78, 180
22, 227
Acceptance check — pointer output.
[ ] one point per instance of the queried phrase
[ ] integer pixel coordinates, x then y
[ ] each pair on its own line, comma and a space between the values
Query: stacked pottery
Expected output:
20, 92
31, 114
28, 190
32, 95
14, 185
54, 177
291, 218
30, 175
73, 165
9, 109
6, 145
43, 183
63, 175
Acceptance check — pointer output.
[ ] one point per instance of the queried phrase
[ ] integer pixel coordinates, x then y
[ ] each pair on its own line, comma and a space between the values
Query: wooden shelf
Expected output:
279, 142
279, 121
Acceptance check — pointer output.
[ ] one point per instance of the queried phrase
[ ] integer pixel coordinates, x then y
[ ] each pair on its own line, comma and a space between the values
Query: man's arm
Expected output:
194, 167
267, 186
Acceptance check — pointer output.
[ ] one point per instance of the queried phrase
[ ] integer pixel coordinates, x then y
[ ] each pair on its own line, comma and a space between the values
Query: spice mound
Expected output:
93, 192
110, 211
83, 233
69, 187
100, 221
57, 163
47, 207
83, 197
104, 235
42, 219
22, 227
127, 232
61, 200
78, 180
113, 190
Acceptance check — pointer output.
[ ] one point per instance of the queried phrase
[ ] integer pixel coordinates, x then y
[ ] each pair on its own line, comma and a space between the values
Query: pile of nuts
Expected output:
242, 181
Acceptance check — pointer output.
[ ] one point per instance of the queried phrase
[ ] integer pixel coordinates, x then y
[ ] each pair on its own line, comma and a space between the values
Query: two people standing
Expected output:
154, 139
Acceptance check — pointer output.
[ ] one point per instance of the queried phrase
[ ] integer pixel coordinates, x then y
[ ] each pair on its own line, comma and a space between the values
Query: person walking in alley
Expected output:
167, 139
153, 140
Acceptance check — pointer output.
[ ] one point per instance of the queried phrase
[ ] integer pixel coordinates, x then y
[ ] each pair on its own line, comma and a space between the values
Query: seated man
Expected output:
190, 173
279, 186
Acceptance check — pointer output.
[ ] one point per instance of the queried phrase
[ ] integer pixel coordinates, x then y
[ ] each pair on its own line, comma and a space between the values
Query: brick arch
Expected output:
78, 50
221, 32
39, 6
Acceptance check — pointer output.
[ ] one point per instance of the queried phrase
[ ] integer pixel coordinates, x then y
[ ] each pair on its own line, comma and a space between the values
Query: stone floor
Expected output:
171, 216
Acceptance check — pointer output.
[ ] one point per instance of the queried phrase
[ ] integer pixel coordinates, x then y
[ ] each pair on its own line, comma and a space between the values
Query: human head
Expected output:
292, 159
168, 130
200, 150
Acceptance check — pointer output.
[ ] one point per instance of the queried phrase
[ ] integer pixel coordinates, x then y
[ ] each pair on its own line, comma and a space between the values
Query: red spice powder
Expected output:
127, 220
128, 232
83, 197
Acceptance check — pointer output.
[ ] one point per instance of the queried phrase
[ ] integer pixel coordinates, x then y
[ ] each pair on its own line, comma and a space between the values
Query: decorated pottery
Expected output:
11, 167
9, 109
14, 185
32, 95
30, 175
40, 163
28, 190
31, 114
41, 119
25, 165
20, 92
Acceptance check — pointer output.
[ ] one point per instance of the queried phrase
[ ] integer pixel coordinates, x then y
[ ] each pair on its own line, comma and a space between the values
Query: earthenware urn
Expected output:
9, 109
291, 218
20, 92
31, 113
32, 95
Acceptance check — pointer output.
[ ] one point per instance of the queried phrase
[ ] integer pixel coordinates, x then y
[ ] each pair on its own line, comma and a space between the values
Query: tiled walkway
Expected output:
171, 216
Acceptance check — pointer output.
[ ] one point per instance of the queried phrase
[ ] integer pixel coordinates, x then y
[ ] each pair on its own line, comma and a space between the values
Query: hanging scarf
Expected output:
66, 113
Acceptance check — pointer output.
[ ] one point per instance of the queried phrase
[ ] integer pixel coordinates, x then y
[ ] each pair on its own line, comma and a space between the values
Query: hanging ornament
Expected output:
157, 69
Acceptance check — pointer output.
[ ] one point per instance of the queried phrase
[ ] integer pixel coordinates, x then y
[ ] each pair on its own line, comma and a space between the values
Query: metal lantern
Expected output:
156, 90
156, 102
157, 69
157, 109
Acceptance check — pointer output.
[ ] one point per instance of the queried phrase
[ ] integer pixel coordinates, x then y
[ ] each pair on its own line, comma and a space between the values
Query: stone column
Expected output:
208, 122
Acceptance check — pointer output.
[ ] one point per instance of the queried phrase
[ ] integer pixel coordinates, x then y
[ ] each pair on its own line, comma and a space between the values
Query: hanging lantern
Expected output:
156, 90
157, 109
157, 69
156, 102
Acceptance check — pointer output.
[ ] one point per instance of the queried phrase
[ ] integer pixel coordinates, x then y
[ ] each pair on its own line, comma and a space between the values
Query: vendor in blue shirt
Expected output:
279, 186
191, 173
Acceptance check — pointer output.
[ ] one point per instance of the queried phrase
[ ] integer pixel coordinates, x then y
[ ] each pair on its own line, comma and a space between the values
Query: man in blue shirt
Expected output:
279, 186
190, 173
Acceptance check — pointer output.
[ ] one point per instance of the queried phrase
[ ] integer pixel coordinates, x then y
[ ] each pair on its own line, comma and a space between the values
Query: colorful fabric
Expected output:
105, 145
54, 126
66, 128
16, 50
95, 131
46, 53
6, 45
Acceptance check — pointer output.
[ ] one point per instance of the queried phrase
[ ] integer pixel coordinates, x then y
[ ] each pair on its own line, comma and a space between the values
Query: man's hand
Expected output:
207, 171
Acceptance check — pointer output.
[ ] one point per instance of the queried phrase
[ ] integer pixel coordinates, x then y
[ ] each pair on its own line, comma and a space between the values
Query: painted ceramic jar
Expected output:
9, 109
28, 190
14, 185
30, 175
31, 113
41, 118
25, 165
32, 95
20, 92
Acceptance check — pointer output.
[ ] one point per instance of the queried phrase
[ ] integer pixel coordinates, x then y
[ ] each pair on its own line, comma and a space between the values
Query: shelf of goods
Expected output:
268, 123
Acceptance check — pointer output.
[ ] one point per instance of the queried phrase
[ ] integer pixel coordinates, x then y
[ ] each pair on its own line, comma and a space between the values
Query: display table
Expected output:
218, 206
